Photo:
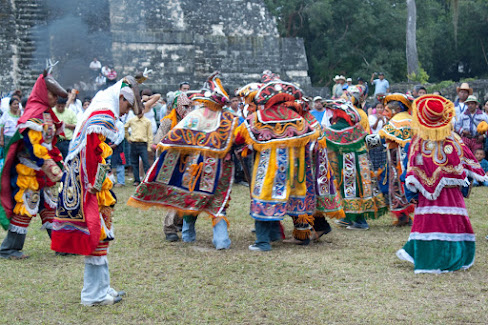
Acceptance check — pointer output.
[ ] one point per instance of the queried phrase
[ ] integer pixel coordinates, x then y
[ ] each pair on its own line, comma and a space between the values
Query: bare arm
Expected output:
151, 101
71, 97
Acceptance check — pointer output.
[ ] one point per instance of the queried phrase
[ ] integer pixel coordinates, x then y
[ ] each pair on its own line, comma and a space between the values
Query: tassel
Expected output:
304, 219
301, 234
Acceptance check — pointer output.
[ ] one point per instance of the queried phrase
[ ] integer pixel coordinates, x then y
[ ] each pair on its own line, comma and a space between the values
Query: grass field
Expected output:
350, 277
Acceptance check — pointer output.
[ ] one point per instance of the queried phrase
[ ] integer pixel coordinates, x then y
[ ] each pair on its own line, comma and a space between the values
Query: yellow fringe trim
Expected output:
181, 212
336, 214
301, 234
433, 133
35, 137
322, 143
294, 142
21, 210
216, 220
305, 219
206, 152
173, 117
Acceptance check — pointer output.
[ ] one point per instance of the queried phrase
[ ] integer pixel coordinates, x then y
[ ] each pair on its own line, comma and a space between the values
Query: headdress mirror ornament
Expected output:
276, 91
404, 99
344, 106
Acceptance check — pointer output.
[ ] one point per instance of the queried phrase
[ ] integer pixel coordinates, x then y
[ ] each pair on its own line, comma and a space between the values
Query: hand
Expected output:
91, 189
466, 132
481, 138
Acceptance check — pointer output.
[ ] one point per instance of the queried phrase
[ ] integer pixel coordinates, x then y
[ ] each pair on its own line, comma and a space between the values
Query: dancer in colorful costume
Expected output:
328, 199
439, 163
32, 167
282, 178
397, 134
350, 163
194, 172
356, 95
83, 223
180, 107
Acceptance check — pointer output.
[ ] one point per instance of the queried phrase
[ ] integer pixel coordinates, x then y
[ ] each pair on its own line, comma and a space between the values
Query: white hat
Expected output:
349, 79
342, 77
316, 98
336, 77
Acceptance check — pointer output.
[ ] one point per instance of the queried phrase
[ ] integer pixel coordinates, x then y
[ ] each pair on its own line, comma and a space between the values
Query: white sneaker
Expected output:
255, 248
110, 300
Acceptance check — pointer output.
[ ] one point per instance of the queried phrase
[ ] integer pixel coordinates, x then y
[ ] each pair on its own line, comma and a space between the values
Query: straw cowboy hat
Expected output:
472, 98
465, 86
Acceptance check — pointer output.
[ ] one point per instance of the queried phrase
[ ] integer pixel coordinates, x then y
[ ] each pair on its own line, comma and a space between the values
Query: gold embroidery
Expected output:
435, 176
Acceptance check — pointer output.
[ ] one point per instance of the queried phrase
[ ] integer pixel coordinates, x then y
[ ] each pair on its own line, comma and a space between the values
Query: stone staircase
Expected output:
31, 49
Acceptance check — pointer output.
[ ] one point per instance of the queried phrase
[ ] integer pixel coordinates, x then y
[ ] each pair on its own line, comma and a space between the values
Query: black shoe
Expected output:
172, 237
64, 254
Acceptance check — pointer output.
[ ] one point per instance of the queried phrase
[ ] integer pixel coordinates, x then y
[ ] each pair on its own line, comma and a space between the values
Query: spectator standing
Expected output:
163, 109
318, 110
363, 83
111, 77
118, 156
100, 81
69, 119
460, 104
382, 86
105, 70
8, 122
418, 91
480, 156
95, 67
336, 84
184, 86
140, 140
349, 83
149, 100
376, 122
337, 91
73, 103
467, 123
5, 102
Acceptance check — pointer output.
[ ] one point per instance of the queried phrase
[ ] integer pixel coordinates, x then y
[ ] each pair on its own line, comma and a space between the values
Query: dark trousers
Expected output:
63, 146
138, 149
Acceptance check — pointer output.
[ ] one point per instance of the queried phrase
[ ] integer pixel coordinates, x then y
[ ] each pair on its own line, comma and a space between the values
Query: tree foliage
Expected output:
358, 37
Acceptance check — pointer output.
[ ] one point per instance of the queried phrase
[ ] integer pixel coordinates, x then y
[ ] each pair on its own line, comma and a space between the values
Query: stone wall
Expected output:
186, 40
180, 40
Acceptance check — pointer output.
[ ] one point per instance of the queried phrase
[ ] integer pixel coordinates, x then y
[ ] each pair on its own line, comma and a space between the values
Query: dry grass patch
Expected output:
350, 277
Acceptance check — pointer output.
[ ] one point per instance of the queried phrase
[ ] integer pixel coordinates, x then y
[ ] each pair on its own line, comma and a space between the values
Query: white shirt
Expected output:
76, 107
326, 119
372, 120
151, 117
9, 123
95, 65
460, 108
5, 105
